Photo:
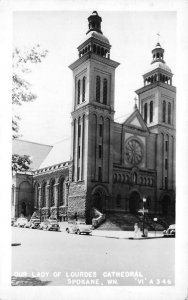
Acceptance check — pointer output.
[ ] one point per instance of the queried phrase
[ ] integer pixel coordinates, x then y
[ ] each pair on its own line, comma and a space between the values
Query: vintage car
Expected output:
20, 222
34, 223
13, 220
50, 224
78, 227
170, 232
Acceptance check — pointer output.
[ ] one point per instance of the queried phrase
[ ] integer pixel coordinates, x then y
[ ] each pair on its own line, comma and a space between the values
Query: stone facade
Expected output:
112, 166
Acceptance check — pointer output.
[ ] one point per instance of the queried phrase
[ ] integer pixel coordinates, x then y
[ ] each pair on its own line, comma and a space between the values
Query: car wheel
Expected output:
67, 230
87, 233
78, 231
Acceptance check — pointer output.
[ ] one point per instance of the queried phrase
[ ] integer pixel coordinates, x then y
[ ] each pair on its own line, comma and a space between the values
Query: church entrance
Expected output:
134, 202
166, 205
99, 199
23, 209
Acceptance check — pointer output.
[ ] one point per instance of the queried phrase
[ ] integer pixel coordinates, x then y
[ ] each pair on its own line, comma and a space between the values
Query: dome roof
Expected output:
99, 36
156, 65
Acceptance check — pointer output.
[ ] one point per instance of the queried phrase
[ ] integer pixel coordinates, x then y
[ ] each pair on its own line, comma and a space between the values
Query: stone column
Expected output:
80, 144
76, 150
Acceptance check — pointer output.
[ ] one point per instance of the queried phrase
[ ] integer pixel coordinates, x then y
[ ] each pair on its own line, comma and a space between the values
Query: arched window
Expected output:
43, 195
164, 111
52, 192
151, 112
145, 112
36, 195
79, 91
83, 89
61, 191
169, 113
118, 201
135, 178
98, 86
105, 91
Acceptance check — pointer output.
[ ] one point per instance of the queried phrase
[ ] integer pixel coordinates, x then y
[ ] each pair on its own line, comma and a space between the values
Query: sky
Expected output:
132, 36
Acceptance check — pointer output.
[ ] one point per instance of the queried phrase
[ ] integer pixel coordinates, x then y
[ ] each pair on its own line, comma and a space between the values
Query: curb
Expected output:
127, 238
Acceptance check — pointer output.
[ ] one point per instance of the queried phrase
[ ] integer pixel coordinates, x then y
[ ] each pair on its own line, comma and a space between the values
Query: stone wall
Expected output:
77, 200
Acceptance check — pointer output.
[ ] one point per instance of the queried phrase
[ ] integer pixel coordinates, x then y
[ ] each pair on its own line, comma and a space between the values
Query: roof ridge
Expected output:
32, 142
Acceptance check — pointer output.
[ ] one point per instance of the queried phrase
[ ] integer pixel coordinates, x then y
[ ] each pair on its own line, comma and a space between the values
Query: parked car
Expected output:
41, 225
20, 222
50, 224
78, 227
34, 223
27, 225
170, 232
13, 220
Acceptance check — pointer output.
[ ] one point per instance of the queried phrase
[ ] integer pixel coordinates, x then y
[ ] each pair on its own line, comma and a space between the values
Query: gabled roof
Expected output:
59, 153
36, 151
136, 121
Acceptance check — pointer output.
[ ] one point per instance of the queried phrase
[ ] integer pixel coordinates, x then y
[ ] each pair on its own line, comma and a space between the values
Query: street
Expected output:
58, 258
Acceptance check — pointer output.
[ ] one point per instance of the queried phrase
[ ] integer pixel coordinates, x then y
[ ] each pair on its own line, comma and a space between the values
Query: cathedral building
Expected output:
111, 166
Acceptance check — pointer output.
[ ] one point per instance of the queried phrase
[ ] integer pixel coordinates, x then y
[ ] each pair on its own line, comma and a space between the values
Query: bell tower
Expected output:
157, 97
157, 105
92, 121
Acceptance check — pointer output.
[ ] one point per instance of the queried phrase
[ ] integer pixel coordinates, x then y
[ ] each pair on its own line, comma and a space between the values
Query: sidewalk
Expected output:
125, 234
119, 234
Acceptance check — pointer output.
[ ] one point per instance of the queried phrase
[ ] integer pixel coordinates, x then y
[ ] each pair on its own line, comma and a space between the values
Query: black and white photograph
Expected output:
97, 197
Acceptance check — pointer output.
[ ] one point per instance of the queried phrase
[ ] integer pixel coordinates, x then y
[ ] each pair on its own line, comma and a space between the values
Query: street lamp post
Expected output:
155, 220
144, 200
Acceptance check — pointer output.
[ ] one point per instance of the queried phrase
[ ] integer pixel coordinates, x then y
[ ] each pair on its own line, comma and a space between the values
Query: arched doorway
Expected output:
99, 199
23, 209
165, 205
134, 202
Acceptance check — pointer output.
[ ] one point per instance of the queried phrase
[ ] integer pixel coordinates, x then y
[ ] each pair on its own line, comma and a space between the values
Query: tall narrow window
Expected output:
52, 193
169, 113
44, 194
166, 163
100, 151
145, 112
105, 91
100, 130
79, 91
151, 112
98, 86
166, 146
100, 174
164, 111
83, 89
61, 192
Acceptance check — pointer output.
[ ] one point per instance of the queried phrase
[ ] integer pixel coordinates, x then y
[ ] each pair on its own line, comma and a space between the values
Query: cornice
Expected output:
92, 56
153, 85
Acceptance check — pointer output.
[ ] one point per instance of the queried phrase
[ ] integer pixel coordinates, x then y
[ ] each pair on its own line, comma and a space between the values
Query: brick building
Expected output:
110, 166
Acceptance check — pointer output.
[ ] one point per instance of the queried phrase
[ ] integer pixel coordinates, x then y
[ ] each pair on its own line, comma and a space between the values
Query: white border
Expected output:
180, 291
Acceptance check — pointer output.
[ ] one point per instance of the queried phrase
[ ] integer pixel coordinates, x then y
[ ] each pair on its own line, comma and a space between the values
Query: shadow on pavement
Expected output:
23, 281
